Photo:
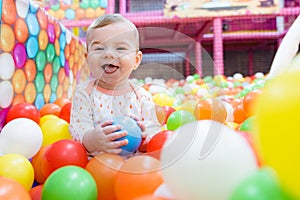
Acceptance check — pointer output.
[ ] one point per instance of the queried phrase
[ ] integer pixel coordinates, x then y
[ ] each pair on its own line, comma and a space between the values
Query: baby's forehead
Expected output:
120, 31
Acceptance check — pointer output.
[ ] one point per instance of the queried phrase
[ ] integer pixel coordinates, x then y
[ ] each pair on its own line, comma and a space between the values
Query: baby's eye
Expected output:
121, 48
99, 49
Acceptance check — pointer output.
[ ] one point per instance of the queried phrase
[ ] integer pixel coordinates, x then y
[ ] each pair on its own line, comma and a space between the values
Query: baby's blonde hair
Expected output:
108, 19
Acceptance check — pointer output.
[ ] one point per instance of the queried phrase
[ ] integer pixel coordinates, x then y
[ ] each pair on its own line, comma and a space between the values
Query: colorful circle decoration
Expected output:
35, 52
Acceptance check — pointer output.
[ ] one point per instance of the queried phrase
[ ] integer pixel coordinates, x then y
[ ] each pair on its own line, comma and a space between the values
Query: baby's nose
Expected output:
109, 53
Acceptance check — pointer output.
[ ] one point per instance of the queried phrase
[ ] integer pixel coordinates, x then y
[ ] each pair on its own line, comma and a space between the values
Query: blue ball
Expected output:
134, 135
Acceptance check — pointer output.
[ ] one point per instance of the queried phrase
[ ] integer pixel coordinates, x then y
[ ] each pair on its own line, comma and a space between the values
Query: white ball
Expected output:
237, 76
21, 136
206, 160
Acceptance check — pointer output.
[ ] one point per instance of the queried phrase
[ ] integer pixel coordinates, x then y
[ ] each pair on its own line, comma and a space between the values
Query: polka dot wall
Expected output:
40, 60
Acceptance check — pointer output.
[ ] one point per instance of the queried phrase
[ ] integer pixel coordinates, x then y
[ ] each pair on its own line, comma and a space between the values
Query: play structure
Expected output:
41, 60
251, 35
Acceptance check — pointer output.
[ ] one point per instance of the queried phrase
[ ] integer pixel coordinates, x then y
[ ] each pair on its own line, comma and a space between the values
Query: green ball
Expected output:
262, 185
207, 79
196, 76
179, 118
248, 125
70, 183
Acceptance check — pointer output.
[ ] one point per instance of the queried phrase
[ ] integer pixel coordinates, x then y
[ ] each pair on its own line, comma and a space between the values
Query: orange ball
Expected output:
238, 113
138, 176
37, 163
50, 109
62, 101
249, 102
11, 189
212, 109
104, 168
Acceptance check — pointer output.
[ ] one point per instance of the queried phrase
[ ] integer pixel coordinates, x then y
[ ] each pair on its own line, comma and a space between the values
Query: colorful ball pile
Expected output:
39, 57
84, 9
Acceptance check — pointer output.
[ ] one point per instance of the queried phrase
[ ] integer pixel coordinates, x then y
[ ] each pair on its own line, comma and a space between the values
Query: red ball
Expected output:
65, 112
156, 143
23, 110
36, 192
62, 153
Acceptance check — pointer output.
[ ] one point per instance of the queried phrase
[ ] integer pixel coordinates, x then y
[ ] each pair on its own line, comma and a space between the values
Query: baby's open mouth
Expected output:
109, 68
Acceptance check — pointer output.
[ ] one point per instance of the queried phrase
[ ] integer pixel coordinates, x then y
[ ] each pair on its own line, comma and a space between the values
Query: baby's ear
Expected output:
138, 59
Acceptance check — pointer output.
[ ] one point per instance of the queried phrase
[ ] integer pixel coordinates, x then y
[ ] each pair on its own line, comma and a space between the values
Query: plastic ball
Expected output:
50, 109
21, 136
277, 121
248, 125
249, 102
23, 110
54, 130
211, 109
65, 112
263, 184
238, 113
62, 101
63, 153
134, 136
104, 168
37, 162
18, 168
11, 189
70, 183
155, 144
139, 175
199, 149
36, 192
179, 118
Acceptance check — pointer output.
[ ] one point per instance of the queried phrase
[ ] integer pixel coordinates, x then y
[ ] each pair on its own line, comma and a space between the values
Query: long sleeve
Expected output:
81, 119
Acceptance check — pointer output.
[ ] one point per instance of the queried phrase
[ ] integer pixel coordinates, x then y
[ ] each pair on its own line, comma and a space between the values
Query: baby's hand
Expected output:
103, 138
140, 123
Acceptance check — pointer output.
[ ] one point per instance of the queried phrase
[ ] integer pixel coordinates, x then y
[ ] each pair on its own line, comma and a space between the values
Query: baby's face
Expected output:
113, 52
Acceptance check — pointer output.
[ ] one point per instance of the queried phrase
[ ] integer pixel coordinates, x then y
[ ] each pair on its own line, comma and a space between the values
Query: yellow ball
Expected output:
189, 105
277, 133
46, 118
18, 168
163, 99
54, 130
